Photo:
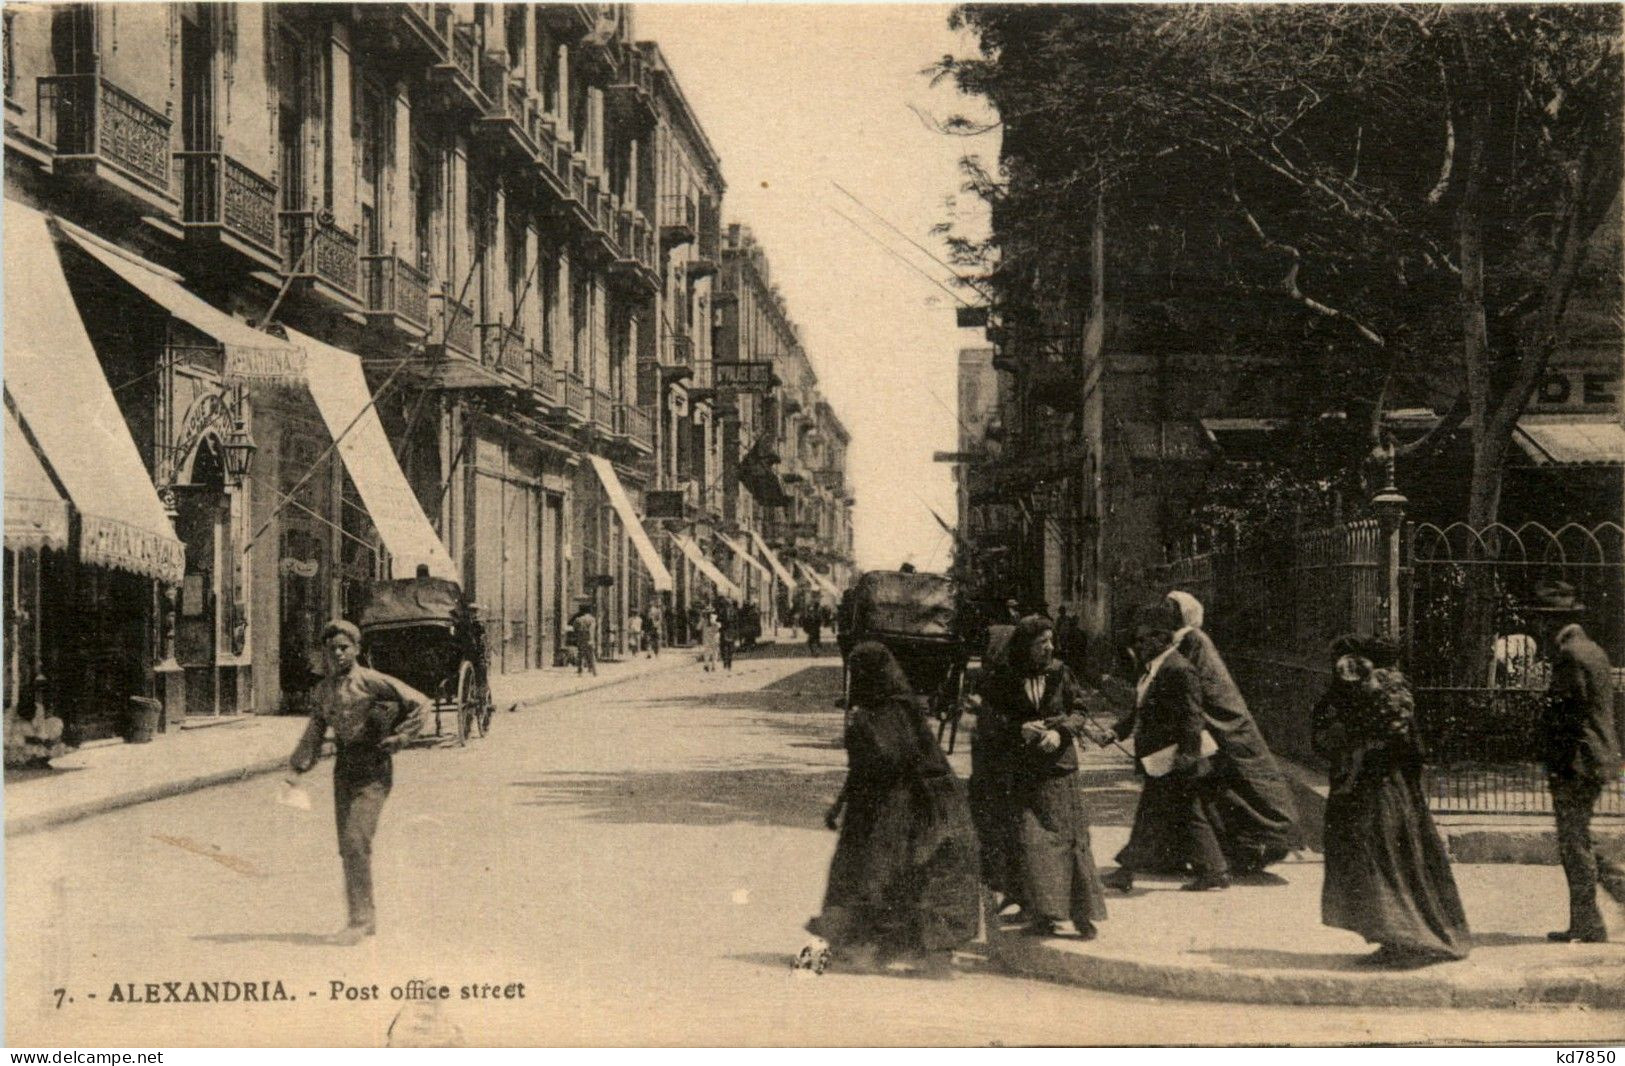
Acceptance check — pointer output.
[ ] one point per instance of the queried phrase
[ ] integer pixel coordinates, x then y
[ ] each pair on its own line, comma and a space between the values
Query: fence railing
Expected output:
1470, 653
87, 115
315, 247
217, 190
395, 288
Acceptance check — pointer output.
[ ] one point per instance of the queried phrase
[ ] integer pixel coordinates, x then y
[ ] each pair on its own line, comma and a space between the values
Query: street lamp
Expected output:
237, 451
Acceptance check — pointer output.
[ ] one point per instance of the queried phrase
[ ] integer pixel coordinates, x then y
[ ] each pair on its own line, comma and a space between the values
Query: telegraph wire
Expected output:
889, 250
933, 257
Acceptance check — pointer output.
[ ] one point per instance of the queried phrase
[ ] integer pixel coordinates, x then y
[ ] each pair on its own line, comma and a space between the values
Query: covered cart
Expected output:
425, 632
916, 616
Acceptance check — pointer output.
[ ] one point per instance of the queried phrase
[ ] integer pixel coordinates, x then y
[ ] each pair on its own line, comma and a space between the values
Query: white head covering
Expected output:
1190, 608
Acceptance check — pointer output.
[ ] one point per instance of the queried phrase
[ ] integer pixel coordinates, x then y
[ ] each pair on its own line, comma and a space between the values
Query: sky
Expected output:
796, 98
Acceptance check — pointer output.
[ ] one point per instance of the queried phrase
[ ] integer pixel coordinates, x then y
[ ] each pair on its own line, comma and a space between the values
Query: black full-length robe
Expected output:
904, 875
1387, 875
1255, 815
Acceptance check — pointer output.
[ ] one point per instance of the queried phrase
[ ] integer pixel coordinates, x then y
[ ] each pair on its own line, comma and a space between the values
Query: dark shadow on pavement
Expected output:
1506, 940
766, 797
304, 940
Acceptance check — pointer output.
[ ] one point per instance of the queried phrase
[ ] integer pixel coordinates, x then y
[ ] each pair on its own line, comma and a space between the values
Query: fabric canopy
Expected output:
819, 581
250, 354
61, 394
340, 390
708, 568
740, 553
634, 525
1571, 441
36, 513
772, 560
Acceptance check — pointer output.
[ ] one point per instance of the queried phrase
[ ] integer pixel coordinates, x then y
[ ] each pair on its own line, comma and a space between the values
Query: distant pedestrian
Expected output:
372, 715
727, 633
1028, 738
813, 624
709, 638
634, 633
902, 884
1582, 733
584, 627
1387, 875
655, 628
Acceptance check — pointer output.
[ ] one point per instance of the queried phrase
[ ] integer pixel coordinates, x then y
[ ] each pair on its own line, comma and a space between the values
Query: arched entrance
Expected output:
209, 629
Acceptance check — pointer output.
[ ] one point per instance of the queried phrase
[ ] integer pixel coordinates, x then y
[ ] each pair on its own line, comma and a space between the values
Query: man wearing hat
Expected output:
372, 716
1581, 732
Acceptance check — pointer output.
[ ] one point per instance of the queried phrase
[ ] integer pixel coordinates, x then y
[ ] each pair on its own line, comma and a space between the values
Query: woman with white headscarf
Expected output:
1253, 799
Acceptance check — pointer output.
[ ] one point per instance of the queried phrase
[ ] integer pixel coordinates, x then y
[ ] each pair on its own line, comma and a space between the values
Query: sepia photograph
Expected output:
813, 525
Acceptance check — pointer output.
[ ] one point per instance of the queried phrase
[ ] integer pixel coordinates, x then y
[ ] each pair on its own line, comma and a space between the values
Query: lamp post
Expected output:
238, 447
1389, 504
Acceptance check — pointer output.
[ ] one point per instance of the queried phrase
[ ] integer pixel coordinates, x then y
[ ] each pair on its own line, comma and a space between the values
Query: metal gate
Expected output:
1478, 674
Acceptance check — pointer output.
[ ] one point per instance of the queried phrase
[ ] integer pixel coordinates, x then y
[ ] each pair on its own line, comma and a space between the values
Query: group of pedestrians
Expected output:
1214, 805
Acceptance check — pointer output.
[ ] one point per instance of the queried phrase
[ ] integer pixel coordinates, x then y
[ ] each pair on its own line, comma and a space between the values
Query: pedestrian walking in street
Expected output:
1582, 731
1175, 817
727, 633
903, 883
584, 627
1029, 738
1257, 819
710, 639
372, 716
991, 787
813, 623
634, 633
655, 628
1387, 875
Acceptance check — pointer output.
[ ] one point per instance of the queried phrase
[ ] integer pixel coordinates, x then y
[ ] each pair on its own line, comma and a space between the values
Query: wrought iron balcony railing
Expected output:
679, 219
219, 192
635, 423
395, 288
315, 247
86, 116
543, 378
504, 348
573, 392
456, 326
603, 410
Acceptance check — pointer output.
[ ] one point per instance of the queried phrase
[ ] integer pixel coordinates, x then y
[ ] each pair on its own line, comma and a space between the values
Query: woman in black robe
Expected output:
903, 883
1032, 730
1256, 818
1387, 874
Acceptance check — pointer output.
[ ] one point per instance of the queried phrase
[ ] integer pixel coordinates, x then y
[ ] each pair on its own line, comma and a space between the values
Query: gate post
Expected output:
1389, 503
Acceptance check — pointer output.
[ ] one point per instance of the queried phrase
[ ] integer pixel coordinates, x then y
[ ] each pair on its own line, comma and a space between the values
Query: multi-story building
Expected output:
783, 439
354, 290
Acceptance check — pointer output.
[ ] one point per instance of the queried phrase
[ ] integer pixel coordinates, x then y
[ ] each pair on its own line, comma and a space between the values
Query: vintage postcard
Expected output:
669, 525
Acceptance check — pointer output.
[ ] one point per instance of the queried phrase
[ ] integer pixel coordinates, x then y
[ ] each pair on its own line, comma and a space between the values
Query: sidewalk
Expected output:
1262, 941
106, 776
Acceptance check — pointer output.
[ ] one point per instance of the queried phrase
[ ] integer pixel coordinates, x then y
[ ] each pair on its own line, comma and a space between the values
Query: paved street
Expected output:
641, 859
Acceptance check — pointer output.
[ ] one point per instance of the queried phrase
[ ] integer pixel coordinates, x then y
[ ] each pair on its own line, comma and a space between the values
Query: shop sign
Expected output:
1577, 388
743, 377
276, 365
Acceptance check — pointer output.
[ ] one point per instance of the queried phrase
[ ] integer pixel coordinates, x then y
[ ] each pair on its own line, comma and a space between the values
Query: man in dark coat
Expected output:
1581, 730
1168, 714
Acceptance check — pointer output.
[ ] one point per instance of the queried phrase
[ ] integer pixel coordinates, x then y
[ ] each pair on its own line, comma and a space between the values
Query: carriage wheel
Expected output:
467, 707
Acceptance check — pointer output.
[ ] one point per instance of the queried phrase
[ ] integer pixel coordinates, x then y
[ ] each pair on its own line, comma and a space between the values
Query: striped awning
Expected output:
36, 513
1571, 440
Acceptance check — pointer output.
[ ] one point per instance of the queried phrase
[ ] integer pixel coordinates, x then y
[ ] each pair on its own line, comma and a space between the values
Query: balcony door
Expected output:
375, 139
197, 79
290, 127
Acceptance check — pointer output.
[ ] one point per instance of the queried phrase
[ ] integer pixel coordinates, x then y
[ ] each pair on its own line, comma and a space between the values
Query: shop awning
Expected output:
251, 356
740, 553
61, 394
1573, 440
634, 525
340, 390
708, 568
773, 560
819, 581
36, 513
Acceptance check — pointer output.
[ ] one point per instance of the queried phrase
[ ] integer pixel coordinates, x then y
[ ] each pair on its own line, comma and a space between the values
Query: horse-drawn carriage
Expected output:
425, 632
915, 615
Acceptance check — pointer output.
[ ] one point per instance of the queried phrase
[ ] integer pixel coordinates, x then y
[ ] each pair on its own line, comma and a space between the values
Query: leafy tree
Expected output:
1422, 180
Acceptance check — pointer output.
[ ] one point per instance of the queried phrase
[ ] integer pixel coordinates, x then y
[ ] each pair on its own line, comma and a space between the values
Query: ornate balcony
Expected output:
457, 70
315, 249
635, 424
455, 328
507, 119
404, 30
397, 295
634, 260
543, 378
679, 221
572, 395
631, 96
223, 200
94, 124
504, 349
603, 411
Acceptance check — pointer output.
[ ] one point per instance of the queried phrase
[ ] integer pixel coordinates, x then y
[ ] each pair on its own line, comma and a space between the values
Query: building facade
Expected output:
353, 291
